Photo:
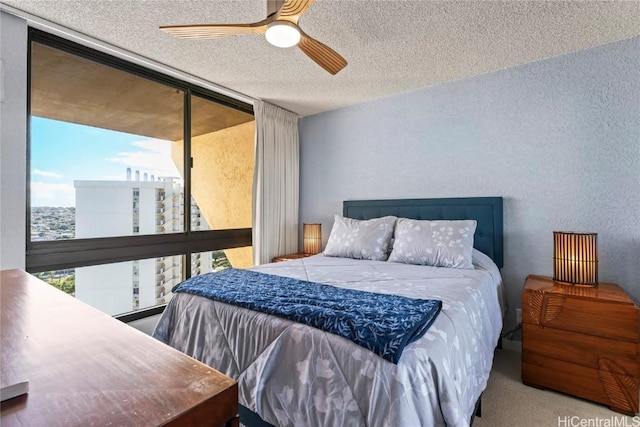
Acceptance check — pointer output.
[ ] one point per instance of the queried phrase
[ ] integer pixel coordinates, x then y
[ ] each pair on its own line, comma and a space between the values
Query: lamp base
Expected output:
578, 285
575, 288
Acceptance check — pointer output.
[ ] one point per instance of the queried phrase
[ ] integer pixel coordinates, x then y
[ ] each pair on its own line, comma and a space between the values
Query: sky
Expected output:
62, 152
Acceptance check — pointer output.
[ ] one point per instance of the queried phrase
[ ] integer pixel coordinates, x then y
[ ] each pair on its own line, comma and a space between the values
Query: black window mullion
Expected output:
28, 150
61, 254
186, 166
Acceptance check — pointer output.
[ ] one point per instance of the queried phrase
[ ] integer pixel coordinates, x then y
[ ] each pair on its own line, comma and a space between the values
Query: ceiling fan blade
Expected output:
321, 54
291, 10
212, 31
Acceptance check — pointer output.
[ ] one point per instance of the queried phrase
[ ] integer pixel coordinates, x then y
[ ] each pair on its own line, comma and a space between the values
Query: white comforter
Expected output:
294, 375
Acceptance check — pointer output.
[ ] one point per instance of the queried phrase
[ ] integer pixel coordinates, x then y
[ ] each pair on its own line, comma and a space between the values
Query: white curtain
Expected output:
275, 183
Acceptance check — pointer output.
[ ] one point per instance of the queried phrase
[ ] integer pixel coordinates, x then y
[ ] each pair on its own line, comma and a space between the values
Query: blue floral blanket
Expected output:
384, 324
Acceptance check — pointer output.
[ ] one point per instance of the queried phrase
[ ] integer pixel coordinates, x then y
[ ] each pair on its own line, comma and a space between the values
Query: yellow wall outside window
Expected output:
222, 181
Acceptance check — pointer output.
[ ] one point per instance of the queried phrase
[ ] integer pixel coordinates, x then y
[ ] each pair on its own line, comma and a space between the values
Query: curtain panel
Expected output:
275, 183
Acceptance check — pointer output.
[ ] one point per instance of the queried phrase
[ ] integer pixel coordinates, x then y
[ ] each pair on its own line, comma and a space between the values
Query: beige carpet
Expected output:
508, 403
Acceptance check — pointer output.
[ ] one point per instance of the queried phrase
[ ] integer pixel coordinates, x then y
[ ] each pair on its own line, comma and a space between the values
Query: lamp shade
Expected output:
575, 258
312, 238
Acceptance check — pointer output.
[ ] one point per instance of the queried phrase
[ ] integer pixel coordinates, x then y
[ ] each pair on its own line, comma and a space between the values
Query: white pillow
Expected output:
484, 262
435, 243
360, 239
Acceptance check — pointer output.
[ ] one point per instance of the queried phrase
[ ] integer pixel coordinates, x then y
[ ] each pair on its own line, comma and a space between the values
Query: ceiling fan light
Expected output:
282, 34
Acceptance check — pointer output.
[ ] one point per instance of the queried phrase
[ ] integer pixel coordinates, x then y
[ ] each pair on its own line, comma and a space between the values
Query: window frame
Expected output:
61, 254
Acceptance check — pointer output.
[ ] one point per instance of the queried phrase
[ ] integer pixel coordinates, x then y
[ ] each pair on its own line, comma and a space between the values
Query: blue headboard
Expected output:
486, 210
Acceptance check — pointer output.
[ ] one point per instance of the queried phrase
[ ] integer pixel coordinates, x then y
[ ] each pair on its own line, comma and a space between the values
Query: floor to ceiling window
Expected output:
136, 180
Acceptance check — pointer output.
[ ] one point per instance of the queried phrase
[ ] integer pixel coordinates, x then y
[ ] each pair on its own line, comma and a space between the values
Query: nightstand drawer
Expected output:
621, 393
557, 309
585, 350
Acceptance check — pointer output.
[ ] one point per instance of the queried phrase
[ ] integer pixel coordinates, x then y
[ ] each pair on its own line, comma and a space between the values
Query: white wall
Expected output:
13, 125
104, 209
559, 139
147, 282
107, 287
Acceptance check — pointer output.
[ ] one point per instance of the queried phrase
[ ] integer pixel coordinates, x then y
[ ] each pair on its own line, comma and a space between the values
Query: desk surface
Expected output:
86, 368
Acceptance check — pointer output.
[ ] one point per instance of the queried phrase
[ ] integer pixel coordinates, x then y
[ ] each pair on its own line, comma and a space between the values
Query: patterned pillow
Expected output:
360, 239
435, 243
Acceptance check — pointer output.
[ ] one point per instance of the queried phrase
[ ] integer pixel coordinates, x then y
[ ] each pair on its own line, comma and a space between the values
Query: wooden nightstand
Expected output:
582, 341
289, 257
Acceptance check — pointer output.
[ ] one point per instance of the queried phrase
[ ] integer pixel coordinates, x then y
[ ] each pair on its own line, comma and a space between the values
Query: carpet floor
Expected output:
508, 403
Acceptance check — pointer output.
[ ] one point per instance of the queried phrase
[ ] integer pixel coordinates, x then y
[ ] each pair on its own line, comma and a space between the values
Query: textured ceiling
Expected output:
391, 46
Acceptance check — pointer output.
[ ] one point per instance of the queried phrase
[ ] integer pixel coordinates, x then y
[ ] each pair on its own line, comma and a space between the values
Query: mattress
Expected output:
293, 375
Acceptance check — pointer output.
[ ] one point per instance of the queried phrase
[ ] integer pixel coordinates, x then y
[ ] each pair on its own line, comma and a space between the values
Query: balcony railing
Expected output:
160, 292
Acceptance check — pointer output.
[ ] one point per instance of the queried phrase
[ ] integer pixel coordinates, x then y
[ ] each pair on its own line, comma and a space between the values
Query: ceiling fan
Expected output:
280, 29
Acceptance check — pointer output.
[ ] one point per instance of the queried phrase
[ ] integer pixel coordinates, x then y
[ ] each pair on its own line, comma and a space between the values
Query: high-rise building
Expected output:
126, 208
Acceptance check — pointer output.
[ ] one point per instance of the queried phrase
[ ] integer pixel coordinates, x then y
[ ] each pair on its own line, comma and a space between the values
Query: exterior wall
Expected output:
106, 287
148, 283
222, 181
103, 209
13, 143
559, 139
106, 209
147, 210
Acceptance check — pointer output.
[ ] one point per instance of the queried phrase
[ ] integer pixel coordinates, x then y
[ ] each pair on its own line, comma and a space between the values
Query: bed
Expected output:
292, 374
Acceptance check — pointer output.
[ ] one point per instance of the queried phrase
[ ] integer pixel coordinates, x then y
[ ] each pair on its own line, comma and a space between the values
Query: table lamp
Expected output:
575, 258
312, 238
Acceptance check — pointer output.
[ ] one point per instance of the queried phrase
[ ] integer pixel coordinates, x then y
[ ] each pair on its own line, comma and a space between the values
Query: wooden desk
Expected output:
86, 368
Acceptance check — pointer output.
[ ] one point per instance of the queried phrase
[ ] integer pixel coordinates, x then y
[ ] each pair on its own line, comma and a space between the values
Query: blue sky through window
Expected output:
62, 152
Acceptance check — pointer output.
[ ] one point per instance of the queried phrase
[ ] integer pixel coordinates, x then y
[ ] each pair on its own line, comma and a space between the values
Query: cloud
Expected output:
154, 158
47, 194
46, 174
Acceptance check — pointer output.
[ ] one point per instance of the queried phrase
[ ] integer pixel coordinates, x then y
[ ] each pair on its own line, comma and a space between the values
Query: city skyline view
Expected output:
62, 152
86, 182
